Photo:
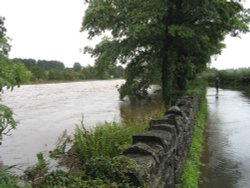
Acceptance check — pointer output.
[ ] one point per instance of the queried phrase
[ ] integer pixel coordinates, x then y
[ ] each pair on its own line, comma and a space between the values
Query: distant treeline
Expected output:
43, 70
233, 78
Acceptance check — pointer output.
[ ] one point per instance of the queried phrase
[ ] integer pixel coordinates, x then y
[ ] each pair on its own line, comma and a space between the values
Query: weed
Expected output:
37, 171
61, 146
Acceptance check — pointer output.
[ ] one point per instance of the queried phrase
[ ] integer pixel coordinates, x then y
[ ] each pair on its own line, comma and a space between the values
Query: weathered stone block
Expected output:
176, 111
163, 126
144, 149
163, 138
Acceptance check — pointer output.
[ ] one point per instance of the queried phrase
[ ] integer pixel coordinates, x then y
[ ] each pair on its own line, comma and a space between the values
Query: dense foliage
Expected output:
4, 45
168, 42
233, 78
43, 70
10, 76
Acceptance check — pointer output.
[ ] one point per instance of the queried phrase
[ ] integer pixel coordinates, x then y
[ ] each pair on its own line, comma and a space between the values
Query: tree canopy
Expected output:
167, 42
77, 67
10, 76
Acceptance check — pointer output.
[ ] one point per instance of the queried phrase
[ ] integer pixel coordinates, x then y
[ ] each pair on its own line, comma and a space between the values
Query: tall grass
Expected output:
7, 180
110, 139
107, 140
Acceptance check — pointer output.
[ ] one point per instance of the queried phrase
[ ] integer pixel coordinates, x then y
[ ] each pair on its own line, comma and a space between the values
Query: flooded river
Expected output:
227, 155
44, 111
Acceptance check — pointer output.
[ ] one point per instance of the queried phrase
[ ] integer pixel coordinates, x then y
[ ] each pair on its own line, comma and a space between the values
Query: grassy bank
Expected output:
192, 169
94, 159
191, 173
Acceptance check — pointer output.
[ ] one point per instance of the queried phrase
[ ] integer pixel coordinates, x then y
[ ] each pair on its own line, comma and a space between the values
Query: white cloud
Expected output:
236, 54
49, 29
46, 29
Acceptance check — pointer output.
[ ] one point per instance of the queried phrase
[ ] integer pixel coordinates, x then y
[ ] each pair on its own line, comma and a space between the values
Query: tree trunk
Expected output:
167, 63
167, 77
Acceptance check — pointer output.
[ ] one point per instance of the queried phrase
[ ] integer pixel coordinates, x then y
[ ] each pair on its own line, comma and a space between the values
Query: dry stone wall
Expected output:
161, 151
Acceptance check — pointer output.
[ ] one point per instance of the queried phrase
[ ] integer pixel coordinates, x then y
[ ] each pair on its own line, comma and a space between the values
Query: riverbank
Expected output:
94, 159
108, 170
191, 175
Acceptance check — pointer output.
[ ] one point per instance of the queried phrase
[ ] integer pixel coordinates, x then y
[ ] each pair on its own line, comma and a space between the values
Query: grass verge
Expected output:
191, 173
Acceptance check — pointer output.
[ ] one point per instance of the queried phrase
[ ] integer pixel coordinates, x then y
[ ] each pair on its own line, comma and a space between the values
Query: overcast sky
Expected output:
50, 29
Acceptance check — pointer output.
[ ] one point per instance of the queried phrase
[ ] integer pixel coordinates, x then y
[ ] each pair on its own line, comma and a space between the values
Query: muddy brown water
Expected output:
226, 159
44, 111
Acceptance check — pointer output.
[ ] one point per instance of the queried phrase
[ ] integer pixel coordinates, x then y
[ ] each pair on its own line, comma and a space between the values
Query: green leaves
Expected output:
181, 31
178, 37
4, 46
12, 75
7, 121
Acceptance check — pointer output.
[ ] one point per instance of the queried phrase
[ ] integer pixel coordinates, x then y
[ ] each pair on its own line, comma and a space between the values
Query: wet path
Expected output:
227, 155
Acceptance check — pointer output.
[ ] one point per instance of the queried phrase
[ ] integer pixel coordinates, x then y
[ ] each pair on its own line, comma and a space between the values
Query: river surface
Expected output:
226, 159
44, 111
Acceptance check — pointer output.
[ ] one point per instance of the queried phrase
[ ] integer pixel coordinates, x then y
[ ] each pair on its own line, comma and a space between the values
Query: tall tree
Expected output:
50, 65
4, 45
11, 75
169, 40
7, 78
77, 67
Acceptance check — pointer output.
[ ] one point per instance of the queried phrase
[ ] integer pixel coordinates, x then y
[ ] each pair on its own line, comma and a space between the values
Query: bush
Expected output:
230, 78
7, 180
7, 121
108, 140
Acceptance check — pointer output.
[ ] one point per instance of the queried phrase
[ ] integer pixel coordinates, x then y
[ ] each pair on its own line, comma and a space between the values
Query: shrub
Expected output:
108, 140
